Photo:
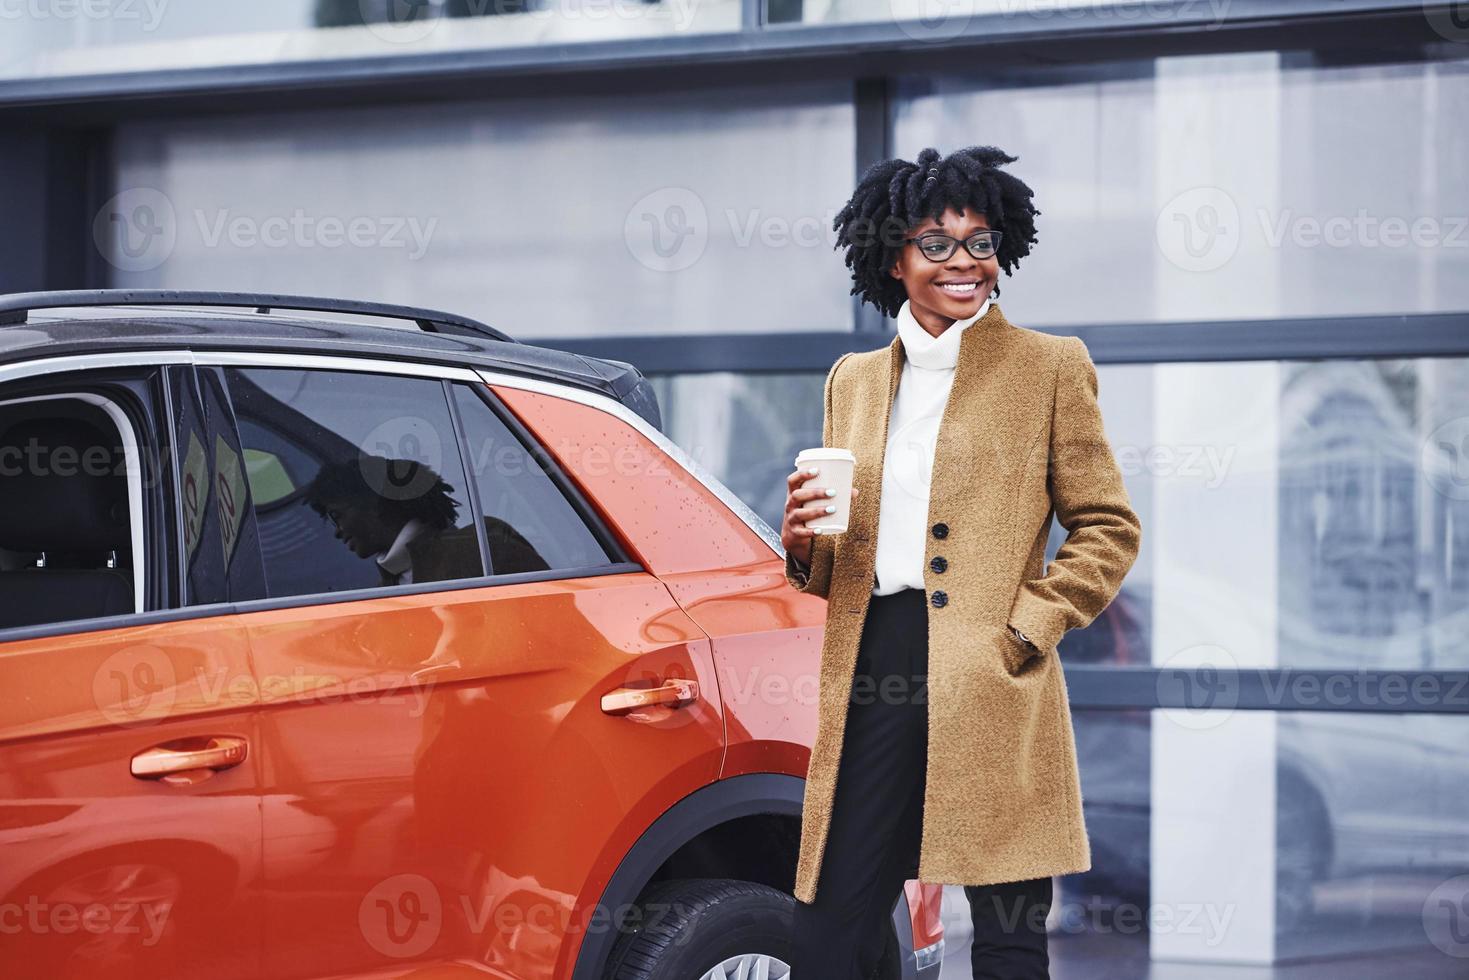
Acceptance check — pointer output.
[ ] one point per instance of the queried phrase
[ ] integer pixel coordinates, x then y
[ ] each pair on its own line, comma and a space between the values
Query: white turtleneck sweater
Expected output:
913, 428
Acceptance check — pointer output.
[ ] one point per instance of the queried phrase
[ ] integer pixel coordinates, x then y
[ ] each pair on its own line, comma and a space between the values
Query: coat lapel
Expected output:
968, 431
996, 407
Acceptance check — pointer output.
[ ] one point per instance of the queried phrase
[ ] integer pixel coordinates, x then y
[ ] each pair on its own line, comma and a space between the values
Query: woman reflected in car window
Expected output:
400, 514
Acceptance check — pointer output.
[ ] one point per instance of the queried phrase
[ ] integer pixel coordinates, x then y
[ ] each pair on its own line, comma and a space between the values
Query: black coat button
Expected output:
941, 530
940, 599
939, 563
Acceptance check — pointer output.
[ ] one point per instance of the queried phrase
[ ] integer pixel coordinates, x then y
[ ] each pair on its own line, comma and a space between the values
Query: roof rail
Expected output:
16, 307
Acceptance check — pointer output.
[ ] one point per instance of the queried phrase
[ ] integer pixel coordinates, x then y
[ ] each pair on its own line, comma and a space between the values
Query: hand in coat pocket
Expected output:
1020, 656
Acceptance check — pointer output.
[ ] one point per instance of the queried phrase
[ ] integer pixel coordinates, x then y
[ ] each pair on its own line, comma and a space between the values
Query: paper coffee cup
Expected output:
834, 470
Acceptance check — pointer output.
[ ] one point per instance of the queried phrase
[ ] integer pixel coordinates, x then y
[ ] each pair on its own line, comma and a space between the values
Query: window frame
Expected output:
294, 496
619, 561
165, 608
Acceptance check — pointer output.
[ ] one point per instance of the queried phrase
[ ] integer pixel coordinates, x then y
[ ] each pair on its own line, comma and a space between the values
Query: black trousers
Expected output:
877, 823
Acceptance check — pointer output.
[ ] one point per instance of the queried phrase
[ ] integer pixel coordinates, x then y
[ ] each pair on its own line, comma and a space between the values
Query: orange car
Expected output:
343, 650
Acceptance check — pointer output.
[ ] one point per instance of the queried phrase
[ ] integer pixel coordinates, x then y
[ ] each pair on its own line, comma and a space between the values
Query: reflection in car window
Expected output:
221, 554
519, 500
357, 480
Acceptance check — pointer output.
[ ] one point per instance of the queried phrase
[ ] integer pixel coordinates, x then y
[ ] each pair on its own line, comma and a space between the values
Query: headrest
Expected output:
62, 487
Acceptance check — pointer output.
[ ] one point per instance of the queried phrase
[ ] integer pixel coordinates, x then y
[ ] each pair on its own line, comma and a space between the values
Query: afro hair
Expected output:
399, 490
895, 195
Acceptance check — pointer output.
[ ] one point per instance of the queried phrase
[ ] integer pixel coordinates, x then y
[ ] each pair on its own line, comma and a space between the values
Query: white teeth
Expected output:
960, 288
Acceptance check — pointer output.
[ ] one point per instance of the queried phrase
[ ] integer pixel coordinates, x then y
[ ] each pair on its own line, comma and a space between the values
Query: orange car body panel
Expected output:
441, 777
766, 636
102, 873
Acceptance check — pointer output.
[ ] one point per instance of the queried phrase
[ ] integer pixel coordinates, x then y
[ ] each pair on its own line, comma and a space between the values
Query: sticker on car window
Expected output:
231, 498
195, 493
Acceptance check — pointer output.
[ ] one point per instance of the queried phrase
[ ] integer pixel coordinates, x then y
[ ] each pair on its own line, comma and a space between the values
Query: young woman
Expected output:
944, 747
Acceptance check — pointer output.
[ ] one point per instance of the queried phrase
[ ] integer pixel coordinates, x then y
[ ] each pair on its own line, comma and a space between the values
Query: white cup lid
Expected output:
825, 452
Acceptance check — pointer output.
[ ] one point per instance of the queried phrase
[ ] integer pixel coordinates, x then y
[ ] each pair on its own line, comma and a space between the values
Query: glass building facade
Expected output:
86, 37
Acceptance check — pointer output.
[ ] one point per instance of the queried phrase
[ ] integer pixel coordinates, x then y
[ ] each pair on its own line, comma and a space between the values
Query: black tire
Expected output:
1303, 852
690, 925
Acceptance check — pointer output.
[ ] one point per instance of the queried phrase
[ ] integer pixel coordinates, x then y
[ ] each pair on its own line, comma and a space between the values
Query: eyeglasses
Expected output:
937, 247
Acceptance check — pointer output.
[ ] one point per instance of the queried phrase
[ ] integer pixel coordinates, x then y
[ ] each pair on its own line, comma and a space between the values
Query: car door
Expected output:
129, 787
465, 725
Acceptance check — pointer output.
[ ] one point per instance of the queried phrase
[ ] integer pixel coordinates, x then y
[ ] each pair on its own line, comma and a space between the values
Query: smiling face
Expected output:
941, 292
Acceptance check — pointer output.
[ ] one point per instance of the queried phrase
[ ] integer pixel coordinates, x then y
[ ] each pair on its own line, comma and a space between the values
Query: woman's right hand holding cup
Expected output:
805, 503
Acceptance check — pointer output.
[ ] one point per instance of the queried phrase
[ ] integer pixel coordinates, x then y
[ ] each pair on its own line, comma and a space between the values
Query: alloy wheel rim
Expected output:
749, 966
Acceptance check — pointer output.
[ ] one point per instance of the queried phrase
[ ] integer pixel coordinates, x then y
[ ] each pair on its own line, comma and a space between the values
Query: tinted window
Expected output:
529, 523
66, 521
356, 479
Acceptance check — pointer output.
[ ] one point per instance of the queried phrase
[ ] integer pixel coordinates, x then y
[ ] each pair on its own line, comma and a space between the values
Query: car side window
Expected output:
529, 523
71, 475
355, 479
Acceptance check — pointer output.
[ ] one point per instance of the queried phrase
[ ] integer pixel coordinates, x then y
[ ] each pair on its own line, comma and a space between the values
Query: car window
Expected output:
70, 534
356, 480
529, 522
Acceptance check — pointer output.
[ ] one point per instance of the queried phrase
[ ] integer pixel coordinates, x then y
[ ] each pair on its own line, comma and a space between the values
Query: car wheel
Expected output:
707, 929
1303, 853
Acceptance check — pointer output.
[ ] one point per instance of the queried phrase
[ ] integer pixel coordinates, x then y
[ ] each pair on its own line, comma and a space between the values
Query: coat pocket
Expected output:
1020, 657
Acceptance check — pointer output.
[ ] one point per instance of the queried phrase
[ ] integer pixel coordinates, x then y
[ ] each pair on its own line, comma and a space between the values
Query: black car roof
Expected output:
32, 330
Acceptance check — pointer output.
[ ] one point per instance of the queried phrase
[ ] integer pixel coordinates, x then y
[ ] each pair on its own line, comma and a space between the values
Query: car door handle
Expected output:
190, 760
673, 694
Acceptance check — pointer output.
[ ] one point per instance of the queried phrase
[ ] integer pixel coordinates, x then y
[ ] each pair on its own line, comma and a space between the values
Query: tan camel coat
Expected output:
1021, 437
